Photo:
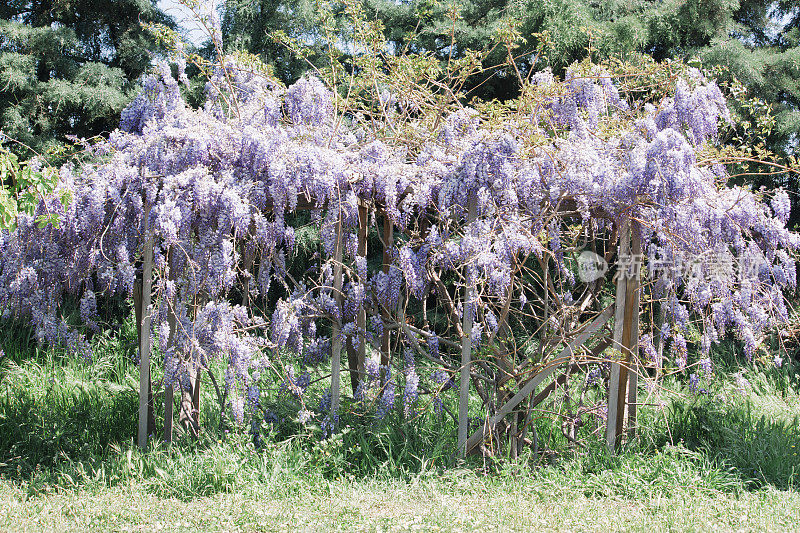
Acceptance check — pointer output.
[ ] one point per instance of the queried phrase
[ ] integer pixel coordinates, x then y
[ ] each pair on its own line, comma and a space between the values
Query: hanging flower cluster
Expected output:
472, 199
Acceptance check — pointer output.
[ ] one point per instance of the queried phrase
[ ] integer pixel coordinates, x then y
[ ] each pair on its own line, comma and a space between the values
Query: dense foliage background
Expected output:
69, 68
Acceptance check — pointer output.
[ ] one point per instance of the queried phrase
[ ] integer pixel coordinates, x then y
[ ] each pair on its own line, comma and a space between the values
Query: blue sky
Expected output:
183, 16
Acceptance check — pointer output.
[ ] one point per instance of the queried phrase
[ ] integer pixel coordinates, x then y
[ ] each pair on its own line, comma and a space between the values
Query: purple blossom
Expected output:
89, 310
646, 346
433, 346
309, 102
781, 206
707, 367
679, 351
387, 398
223, 186
694, 383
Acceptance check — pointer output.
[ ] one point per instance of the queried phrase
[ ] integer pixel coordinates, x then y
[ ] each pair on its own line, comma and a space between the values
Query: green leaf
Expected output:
51, 218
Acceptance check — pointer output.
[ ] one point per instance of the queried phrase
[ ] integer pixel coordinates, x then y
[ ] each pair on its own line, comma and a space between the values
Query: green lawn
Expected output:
722, 461
456, 501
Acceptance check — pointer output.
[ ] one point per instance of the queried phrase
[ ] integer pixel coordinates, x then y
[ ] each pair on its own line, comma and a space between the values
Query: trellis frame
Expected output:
623, 381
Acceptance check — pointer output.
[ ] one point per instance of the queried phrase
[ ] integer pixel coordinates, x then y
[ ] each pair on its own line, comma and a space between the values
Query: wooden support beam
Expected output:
561, 379
623, 365
137, 307
388, 240
336, 341
614, 382
466, 349
145, 393
622, 391
544, 373
632, 337
658, 340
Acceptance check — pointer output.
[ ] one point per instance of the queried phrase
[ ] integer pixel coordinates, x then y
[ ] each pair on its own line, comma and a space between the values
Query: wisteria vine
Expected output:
221, 185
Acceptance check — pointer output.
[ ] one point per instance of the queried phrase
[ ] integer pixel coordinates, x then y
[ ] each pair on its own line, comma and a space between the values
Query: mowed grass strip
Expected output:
464, 504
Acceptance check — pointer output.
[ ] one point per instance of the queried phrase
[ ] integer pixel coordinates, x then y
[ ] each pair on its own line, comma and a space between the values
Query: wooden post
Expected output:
614, 382
137, 307
466, 350
388, 239
658, 339
336, 341
623, 381
144, 337
632, 344
363, 223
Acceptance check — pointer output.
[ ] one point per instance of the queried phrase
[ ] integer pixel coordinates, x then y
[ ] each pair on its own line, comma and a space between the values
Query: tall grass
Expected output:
69, 424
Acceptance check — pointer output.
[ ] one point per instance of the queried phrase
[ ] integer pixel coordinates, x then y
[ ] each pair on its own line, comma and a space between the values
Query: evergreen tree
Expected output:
426, 25
249, 25
69, 68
